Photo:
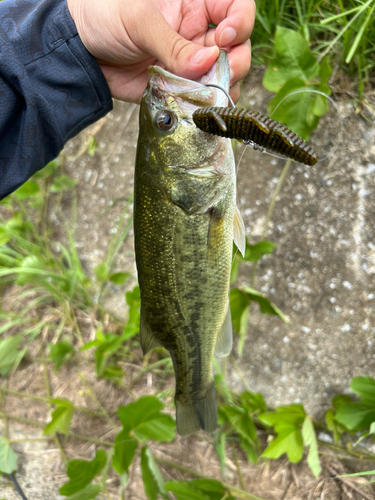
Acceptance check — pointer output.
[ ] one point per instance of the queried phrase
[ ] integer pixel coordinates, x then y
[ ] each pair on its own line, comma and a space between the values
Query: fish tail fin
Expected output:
201, 414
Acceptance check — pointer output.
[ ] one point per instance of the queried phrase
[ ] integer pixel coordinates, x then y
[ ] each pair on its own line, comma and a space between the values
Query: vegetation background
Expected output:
85, 416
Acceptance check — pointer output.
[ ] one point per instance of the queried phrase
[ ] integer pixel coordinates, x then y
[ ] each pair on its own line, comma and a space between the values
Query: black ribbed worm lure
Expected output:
255, 129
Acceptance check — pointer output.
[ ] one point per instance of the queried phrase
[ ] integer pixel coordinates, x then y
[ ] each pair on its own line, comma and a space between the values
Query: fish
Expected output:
254, 127
185, 221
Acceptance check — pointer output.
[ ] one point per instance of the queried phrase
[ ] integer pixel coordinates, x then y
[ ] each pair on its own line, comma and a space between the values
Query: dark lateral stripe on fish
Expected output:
236, 123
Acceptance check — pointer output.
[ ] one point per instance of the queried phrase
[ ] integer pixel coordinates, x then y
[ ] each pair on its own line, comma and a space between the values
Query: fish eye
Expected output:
165, 120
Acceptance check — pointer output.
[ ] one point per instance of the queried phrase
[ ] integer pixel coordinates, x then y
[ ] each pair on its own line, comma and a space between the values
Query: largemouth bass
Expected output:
185, 219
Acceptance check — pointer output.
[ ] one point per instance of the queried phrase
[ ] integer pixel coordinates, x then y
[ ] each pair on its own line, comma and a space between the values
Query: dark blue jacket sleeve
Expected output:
50, 87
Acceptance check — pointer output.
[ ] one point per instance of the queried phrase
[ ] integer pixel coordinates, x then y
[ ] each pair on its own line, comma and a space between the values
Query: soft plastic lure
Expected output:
256, 129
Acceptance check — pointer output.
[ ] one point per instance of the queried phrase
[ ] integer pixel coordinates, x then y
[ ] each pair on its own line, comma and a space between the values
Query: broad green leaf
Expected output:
340, 399
82, 472
293, 60
119, 278
113, 372
145, 418
101, 272
125, 448
266, 306
185, 490
29, 190
253, 401
238, 304
89, 493
293, 414
257, 251
295, 109
214, 489
288, 441
62, 183
365, 388
309, 439
153, 482
356, 416
249, 449
8, 459
241, 423
60, 353
10, 356
61, 418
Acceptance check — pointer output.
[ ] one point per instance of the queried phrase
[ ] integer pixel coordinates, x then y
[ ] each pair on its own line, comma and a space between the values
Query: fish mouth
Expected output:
164, 84
211, 165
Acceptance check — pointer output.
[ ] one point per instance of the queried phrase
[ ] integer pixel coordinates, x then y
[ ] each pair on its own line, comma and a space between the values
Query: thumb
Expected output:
155, 36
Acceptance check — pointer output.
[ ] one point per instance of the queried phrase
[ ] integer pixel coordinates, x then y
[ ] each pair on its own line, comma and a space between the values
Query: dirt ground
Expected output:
321, 275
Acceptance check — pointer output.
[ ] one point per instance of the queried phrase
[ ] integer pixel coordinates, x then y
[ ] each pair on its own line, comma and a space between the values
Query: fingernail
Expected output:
203, 54
227, 36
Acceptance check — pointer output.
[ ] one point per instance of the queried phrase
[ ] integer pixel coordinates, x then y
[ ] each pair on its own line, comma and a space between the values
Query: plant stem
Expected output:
239, 472
270, 212
39, 425
111, 422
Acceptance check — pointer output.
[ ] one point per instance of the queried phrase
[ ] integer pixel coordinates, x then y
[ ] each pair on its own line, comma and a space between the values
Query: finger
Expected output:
234, 20
234, 92
239, 61
156, 37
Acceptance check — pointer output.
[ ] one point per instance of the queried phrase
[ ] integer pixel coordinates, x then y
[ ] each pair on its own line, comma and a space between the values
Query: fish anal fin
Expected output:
148, 339
239, 232
200, 414
224, 339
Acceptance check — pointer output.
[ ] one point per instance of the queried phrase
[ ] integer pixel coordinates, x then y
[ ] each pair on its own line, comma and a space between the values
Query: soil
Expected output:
321, 275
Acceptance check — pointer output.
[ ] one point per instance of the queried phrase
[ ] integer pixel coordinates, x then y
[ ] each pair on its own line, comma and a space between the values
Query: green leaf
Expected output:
355, 416
125, 448
101, 272
185, 490
289, 441
133, 299
257, 251
8, 459
48, 170
92, 146
82, 472
61, 417
60, 353
266, 306
253, 401
340, 399
365, 388
119, 278
29, 190
145, 418
5, 236
333, 426
221, 451
153, 482
62, 183
309, 439
238, 304
89, 493
214, 489
10, 356
291, 414
295, 109
113, 372
293, 60
242, 423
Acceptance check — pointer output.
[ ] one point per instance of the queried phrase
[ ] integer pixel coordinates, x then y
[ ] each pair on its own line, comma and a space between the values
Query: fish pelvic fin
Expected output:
224, 339
148, 339
201, 414
239, 232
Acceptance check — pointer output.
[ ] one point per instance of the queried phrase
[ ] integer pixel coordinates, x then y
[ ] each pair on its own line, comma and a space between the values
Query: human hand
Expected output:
127, 36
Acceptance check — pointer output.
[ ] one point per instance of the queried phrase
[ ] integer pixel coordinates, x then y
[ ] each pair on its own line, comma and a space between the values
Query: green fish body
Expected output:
184, 217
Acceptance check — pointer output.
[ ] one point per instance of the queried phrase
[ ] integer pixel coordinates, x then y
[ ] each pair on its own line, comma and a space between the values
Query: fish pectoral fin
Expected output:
201, 414
148, 339
239, 232
224, 339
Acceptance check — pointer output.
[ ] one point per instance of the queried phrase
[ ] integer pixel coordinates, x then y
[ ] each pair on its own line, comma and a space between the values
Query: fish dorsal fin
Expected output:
148, 339
224, 339
239, 232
